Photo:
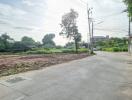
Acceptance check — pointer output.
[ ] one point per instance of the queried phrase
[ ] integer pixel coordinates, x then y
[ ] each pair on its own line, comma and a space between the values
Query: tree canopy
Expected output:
48, 41
29, 42
129, 7
69, 27
68, 24
113, 43
5, 42
19, 46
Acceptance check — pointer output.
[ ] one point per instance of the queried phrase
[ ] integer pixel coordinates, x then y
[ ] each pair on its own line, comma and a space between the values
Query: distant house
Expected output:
100, 38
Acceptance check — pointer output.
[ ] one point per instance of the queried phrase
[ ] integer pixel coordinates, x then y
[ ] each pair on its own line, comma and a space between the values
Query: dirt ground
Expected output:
13, 64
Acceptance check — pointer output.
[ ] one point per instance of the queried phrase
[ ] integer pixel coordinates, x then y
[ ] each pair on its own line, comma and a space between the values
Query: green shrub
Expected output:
107, 49
39, 52
116, 49
54, 50
82, 50
125, 49
68, 51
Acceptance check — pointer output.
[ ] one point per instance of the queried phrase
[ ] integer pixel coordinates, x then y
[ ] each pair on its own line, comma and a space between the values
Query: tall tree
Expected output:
2, 45
5, 42
29, 42
48, 41
129, 7
19, 46
69, 27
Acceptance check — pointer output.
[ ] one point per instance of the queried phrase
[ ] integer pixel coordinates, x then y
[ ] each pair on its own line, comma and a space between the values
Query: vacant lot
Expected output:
13, 64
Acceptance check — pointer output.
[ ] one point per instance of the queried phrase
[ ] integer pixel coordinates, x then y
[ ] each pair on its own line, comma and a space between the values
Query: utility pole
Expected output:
89, 27
92, 35
129, 36
129, 33
89, 35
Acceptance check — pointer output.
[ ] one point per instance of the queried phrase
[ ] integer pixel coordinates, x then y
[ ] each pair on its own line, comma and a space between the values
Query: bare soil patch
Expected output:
13, 64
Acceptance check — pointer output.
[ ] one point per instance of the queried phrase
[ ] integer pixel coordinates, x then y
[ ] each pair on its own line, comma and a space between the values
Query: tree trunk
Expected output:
76, 46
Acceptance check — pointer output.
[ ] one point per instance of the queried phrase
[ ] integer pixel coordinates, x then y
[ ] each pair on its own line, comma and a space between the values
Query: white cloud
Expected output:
34, 3
10, 14
8, 11
28, 2
39, 17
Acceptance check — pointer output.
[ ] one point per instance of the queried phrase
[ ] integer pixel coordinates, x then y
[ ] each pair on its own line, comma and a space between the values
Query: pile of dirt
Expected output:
13, 64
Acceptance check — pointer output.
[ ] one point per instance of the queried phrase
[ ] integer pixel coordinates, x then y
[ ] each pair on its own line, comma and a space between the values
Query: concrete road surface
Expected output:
105, 76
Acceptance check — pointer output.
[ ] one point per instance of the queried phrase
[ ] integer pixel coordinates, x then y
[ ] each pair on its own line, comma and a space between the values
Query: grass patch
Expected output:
115, 49
54, 50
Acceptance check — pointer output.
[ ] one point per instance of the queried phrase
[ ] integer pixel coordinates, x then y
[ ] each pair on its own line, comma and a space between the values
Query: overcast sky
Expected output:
35, 18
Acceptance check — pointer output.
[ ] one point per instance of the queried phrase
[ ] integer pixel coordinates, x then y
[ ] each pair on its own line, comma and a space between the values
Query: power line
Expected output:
112, 30
106, 17
83, 2
110, 15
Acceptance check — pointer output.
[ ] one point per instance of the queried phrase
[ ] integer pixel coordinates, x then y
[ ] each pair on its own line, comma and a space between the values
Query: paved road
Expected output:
105, 76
